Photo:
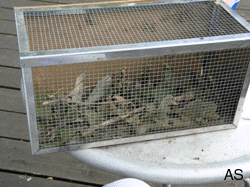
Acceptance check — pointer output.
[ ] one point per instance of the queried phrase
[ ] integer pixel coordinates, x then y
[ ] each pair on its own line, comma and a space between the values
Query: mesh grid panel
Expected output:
48, 30
98, 101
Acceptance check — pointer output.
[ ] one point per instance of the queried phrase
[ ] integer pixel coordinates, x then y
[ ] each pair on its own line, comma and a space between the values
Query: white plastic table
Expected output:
192, 159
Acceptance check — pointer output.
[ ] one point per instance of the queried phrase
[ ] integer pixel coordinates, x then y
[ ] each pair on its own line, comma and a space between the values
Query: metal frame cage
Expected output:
112, 73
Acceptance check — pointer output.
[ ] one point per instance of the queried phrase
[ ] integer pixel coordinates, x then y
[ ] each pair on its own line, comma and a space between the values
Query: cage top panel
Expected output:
69, 28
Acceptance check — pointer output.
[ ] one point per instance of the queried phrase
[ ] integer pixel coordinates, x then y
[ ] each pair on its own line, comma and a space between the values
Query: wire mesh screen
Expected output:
106, 100
49, 30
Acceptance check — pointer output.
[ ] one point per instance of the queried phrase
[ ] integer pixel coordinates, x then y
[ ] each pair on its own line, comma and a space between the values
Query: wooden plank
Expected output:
7, 14
13, 3
7, 27
94, 2
10, 77
8, 42
55, 1
17, 156
14, 125
243, 4
11, 100
79, 1
244, 13
73, 1
9, 58
8, 179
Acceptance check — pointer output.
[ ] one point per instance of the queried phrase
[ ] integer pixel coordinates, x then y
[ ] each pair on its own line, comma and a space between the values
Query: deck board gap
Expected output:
6, 7
44, 1
46, 176
9, 49
13, 111
7, 20
8, 87
7, 34
17, 139
13, 67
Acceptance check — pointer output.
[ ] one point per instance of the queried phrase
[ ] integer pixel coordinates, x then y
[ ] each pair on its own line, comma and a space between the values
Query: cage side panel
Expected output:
49, 30
107, 100
242, 97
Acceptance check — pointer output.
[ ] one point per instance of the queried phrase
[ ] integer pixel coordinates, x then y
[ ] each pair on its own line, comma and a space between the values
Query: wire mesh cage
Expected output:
112, 73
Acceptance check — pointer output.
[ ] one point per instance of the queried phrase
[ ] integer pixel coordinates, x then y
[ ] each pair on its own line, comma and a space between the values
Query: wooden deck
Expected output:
17, 166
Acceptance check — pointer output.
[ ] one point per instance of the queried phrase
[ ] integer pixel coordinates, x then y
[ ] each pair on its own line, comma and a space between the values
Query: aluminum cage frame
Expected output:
30, 59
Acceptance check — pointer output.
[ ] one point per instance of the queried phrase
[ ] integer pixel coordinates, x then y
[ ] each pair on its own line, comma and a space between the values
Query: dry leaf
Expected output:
168, 99
78, 90
101, 90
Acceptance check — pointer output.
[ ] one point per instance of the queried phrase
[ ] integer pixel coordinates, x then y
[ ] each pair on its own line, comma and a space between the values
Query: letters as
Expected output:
237, 172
